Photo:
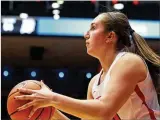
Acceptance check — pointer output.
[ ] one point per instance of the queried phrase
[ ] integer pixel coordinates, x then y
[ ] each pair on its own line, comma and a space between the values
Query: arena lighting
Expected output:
55, 5
5, 73
23, 15
56, 16
60, 1
28, 26
8, 24
8, 27
88, 75
55, 12
118, 6
61, 74
33, 74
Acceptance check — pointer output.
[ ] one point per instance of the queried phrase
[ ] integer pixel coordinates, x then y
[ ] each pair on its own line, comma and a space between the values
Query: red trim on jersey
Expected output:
116, 117
99, 68
98, 97
142, 97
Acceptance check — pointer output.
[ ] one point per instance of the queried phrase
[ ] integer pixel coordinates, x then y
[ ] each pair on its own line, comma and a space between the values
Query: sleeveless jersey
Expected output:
142, 103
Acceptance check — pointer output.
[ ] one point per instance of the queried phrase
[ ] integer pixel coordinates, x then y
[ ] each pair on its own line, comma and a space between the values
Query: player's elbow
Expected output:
102, 112
105, 115
100, 115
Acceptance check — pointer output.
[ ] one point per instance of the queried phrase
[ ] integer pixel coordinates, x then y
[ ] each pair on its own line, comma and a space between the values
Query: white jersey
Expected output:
143, 102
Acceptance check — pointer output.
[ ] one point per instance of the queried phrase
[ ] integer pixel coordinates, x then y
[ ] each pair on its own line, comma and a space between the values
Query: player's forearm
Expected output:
87, 109
59, 116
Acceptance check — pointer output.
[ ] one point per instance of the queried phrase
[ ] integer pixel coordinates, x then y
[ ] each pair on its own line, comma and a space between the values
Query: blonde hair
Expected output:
145, 51
118, 22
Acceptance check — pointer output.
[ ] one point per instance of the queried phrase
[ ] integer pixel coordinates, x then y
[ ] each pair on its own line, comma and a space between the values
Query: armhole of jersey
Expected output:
96, 81
146, 68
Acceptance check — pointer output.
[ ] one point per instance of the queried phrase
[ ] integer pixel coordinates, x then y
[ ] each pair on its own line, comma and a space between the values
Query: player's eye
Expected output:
92, 28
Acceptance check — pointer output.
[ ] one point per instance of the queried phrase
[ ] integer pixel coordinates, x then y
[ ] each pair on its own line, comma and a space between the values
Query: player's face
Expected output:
95, 37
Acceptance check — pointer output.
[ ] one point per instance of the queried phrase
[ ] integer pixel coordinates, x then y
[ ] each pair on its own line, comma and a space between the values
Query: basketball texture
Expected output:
12, 104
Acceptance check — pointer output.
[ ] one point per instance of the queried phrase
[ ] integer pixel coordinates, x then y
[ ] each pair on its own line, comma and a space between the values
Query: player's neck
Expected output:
107, 60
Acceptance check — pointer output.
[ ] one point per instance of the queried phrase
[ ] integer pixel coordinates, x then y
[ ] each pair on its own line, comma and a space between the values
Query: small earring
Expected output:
108, 41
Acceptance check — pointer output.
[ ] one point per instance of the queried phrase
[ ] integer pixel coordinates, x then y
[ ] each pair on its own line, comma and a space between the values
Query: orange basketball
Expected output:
12, 104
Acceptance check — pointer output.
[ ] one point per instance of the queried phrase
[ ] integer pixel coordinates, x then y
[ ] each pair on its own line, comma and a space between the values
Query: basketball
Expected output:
12, 104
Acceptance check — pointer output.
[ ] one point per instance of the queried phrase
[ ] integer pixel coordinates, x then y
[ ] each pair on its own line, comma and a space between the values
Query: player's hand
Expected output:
39, 98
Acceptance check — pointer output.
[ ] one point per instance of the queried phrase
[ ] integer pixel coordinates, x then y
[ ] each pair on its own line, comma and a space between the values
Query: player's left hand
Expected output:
39, 98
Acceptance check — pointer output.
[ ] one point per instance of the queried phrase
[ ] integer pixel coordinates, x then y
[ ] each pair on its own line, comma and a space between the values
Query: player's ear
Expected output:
110, 37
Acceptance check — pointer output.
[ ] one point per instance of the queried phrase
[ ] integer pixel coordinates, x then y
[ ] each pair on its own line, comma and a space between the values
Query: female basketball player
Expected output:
123, 89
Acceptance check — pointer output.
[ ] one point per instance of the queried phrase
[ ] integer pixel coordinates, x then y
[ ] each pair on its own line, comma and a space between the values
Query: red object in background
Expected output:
135, 2
114, 1
93, 1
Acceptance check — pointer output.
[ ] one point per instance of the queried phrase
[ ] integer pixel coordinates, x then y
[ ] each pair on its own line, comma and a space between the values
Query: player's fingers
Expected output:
24, 90
32, 112
42, 83
25, 106
25, 97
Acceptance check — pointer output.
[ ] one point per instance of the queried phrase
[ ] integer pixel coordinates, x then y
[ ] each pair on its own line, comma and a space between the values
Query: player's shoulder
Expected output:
131, 59
131, 63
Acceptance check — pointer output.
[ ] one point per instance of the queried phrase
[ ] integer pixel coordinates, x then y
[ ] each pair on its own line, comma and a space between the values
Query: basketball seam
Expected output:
31, 110
50, 113
14, 111
16, 92
21, 87
37, 84
39, 114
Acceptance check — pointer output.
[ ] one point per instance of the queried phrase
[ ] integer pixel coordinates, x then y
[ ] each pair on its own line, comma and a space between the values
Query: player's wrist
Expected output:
54, 97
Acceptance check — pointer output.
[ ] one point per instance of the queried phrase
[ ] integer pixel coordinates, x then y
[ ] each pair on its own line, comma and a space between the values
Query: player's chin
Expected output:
90, 52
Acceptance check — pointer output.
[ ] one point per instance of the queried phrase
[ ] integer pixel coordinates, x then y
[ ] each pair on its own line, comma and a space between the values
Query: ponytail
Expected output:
151, 58
144, 50
118, 22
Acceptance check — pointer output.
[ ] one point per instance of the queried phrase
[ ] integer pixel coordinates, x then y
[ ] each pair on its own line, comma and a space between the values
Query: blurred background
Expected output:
44, 40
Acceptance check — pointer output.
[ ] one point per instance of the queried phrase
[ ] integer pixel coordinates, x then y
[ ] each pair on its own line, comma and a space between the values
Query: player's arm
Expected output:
125, 75
59, 116
128, 72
